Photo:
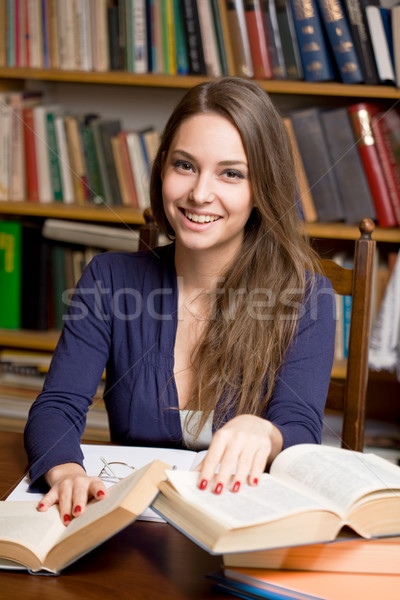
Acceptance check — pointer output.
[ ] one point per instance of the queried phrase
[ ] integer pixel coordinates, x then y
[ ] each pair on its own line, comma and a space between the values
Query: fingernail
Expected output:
100, 494
255, 481
236, 487
218, 488
67, 518
41, 505
203, 484
77, 509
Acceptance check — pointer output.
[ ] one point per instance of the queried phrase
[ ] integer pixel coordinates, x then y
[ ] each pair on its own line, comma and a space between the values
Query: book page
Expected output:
335, 476
21, 522
267, 501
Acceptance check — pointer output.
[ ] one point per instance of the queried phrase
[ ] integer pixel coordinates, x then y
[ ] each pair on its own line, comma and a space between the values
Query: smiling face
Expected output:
205, 185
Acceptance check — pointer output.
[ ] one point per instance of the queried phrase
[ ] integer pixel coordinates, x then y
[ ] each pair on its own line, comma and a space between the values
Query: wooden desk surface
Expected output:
146, 561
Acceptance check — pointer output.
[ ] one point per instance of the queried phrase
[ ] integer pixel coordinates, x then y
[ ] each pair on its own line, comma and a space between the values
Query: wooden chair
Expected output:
348, 396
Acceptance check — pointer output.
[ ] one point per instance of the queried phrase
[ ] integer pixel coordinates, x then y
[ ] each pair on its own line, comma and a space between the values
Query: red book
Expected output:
126, 162
361, 114
386, 129
258, 40
32, 183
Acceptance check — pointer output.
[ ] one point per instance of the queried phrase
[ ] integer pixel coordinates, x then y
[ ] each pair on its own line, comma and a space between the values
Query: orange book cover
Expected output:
32, 182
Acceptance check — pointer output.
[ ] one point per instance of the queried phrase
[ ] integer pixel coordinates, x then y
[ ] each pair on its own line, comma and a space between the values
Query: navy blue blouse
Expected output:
123, 316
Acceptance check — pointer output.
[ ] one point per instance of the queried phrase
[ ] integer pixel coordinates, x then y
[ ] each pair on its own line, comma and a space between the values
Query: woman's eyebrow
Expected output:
227, 163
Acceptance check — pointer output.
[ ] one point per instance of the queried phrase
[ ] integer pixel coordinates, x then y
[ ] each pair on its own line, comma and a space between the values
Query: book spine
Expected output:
113, 37
360, 114
317, 65
10, 274
274, 39
5, 143
32, 185
16, 150
55, 174
240, 39
208, 37
258, 40
53, 35
314, 152
182, 61
93, 169
193, 38
45, 34
140, 36
380, 43
219, 32
126, 164
355, 12
395, 15
290, 47
340, 39
65, 167
389, 167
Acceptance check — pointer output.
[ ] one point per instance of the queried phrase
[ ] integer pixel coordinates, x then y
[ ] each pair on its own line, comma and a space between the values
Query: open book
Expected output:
310, 494
40, 542
137, 456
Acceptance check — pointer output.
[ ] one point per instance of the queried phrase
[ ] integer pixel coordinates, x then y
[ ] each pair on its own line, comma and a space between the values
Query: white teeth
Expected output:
200, 218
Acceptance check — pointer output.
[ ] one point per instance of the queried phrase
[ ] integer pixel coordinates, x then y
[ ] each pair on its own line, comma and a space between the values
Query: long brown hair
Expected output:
242, 349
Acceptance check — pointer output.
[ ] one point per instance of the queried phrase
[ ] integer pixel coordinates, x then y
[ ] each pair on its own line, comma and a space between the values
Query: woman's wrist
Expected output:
62, 471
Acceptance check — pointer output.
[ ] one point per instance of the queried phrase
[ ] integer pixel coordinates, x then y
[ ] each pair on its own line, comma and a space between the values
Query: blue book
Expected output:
346, 324
315, 58
340, 39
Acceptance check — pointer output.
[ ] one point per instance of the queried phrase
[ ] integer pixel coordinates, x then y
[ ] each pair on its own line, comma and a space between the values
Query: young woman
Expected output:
223, 338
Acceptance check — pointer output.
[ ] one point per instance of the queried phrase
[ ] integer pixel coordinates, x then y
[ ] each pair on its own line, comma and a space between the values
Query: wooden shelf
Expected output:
340, 231
29, 340
109, 214
274, 86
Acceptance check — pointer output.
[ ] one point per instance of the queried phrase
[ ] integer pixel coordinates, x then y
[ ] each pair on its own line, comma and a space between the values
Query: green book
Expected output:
10, 274
182, 59
55, 173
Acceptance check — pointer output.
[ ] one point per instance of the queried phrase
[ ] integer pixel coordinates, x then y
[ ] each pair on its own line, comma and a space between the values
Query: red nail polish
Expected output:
67, 518
218, 488
41, 505
77, 509
236, 487
255, 481
100, 494
203, 484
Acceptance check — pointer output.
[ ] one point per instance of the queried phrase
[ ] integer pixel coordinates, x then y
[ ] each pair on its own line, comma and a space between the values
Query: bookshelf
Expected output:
292, 91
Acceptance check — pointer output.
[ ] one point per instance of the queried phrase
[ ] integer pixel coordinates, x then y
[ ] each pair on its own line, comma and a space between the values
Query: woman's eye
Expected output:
233, 174
183, 165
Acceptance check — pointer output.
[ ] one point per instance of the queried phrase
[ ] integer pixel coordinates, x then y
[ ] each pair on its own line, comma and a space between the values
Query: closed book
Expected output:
120, 169
103, 131
258, 39
83, 33
139, 36
114, 37
355, 11
316, 60
340, 40
347, 165
139, 168
240, 39
181, 52
67, 187
290, 47
5, 144
382, 134
346, 555
395, 13
209, 38
77, 158
226, 36
54, 51
10, 274
31, 172
197, 64
127, 170
99, 34
303, 187
380, 42
168, 33
361, 114
92, 164
317, 163
219, 32
54, 159
35, 277
42, 153
274, 39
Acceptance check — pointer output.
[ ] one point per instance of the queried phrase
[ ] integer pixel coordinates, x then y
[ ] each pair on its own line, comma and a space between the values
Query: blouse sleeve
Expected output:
57, 418
297, 406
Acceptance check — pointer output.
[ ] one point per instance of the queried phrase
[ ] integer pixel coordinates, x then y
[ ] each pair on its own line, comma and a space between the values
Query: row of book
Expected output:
352, 41
348, 163
40, 266
49, 155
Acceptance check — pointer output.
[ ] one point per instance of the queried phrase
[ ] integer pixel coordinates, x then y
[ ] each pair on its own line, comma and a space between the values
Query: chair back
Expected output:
349, 395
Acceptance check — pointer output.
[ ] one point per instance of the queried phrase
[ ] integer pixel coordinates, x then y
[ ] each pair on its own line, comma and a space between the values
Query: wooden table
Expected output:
146, 561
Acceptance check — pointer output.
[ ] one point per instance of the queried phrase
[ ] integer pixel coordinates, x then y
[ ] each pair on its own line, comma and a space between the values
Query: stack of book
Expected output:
48, 155
22, 376
316, 40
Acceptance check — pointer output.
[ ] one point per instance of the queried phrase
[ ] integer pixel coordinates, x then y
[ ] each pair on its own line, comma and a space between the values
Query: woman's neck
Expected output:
199, 270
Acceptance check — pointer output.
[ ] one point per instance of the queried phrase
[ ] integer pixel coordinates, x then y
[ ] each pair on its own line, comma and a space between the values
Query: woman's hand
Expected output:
71, 487
243, 446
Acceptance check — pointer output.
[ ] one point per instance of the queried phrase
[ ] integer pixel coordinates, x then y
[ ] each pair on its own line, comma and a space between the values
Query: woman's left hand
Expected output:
242, 448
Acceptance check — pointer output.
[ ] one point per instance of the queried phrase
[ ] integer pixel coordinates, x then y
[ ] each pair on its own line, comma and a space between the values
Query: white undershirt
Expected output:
204, 438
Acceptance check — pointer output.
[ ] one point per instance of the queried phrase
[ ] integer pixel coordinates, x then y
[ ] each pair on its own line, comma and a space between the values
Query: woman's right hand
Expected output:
71, 488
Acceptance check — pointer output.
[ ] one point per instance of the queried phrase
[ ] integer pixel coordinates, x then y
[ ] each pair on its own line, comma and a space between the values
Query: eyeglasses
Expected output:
114, 471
